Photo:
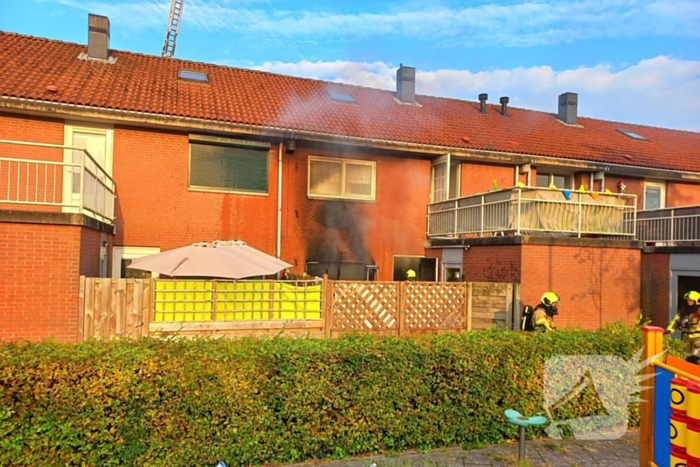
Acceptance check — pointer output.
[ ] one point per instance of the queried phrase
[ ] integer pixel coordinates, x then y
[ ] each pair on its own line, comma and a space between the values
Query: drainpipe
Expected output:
279, 203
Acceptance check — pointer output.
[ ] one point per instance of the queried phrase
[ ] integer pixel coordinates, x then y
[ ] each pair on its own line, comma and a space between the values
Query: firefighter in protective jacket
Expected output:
543, 315
687, 320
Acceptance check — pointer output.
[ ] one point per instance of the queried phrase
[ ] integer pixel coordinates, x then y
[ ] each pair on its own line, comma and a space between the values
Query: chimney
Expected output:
406, 84
98, 37
568, 107
504, 106
482, 100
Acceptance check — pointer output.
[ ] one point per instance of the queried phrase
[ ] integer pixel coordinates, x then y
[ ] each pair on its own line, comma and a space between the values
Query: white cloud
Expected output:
661, 91
531, 22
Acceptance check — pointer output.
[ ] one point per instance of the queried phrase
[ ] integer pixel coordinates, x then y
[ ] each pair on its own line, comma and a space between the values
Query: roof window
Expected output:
632, 134
191, 75
340, 96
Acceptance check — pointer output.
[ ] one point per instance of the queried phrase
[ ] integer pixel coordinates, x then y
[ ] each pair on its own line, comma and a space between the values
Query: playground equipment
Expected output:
670, 409
516, 418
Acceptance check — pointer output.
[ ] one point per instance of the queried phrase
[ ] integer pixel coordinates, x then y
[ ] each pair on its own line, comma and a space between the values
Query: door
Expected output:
445, 179
85, 190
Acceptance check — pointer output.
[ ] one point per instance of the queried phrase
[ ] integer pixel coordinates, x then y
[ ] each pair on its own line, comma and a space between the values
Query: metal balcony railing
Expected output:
534, 211
36, 176
670, 226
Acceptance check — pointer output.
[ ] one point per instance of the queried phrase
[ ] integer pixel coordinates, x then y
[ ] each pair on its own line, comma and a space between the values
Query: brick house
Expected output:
109, 155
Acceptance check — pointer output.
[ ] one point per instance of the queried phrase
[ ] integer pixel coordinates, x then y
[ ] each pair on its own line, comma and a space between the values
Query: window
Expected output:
654, 195
340, 96
191, 75
632, 134
228, 165
339, 178
562, 182
441, 189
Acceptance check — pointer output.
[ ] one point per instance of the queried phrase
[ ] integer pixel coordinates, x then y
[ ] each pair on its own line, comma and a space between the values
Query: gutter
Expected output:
279, 204
148, 119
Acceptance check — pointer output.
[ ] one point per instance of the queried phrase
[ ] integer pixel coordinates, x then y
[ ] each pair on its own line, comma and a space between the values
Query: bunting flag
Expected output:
552, 186
567, 194
494, 185
594, 195
581, 189
608, 192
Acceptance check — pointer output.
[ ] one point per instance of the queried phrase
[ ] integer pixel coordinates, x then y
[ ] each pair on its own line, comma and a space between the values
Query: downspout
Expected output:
279, 204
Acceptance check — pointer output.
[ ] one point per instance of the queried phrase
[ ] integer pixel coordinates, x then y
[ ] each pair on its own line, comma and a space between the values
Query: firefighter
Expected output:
687, 320
543, 315
410, 275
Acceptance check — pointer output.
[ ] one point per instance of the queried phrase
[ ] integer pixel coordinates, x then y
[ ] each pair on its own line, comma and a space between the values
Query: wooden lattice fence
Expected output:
136, 307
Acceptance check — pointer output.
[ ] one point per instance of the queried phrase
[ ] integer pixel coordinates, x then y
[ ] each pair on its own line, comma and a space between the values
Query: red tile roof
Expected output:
29, 66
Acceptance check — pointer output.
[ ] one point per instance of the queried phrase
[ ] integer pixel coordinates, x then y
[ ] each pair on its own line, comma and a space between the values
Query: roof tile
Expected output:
143, 83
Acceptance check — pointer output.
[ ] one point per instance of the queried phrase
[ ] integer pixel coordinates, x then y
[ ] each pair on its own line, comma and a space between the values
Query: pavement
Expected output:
547, 452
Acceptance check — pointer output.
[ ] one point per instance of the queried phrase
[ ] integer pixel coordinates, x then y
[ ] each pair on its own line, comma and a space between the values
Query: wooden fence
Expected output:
140, 307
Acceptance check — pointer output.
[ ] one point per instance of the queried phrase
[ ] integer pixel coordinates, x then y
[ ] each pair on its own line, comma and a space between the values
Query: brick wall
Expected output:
596, 285
655, 272
355, 231
478, 178
39, 275
50, 178
154, 206
682, 194
492, 263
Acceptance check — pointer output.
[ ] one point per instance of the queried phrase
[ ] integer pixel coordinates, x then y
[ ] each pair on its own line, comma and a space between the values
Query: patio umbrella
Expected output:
230, 260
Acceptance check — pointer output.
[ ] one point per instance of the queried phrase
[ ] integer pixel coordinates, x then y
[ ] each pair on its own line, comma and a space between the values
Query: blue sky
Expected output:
636, 61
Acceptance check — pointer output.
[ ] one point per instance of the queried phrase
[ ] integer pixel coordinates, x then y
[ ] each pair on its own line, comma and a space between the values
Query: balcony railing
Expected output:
534, 211
35, 176
670, 226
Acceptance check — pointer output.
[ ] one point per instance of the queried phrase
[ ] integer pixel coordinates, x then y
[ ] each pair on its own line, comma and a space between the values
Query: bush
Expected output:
279, 400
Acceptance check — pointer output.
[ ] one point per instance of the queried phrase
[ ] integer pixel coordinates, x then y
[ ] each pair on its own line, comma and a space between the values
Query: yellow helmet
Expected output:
549, 298
410, 274
693, 295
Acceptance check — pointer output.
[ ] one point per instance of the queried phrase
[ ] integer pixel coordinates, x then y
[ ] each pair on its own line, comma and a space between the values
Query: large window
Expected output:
340, 178
223, 164
445, 179
654, 195
545, 180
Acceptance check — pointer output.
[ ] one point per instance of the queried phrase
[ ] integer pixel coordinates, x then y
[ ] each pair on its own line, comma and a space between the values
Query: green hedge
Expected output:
279, 400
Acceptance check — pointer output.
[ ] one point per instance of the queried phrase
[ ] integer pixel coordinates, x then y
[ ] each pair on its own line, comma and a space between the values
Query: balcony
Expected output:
678, 226
534, 211
54, 178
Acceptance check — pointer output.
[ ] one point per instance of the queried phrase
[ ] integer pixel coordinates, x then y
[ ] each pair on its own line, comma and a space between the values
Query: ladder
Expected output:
173, 27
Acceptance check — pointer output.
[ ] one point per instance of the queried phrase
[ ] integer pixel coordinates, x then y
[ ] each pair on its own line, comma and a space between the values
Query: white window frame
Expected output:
436, 192
344, 163
71, 204
120, 253
569, 180
661, 186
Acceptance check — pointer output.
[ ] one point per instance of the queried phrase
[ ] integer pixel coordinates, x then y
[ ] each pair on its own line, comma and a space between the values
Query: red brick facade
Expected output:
596, 285
155, 208
40, 266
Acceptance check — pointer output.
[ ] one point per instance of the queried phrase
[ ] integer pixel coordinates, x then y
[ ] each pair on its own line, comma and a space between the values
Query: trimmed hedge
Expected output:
280, 400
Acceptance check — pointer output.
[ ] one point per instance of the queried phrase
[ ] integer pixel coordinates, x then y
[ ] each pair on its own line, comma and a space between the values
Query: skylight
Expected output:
632, 134
340, 96
192, 75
